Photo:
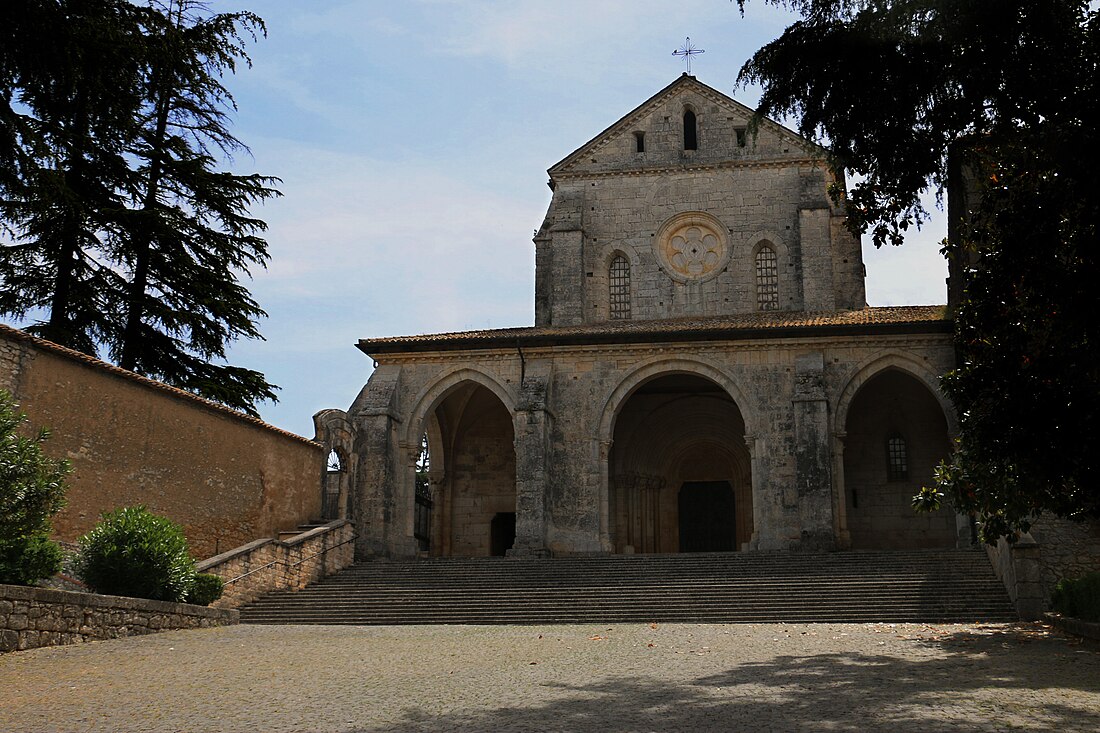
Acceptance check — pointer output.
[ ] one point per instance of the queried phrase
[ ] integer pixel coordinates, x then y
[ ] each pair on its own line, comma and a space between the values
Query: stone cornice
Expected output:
693, 168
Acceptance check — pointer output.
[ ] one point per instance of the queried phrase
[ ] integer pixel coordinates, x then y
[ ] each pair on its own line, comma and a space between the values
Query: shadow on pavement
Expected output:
834, 691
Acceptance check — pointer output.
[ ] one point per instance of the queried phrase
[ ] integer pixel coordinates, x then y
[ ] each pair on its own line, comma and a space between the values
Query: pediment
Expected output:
659, 123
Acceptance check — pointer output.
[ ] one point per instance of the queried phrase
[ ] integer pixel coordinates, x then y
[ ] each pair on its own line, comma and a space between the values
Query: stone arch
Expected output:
661, 366
891, 399
638, 462
469, 418
882, 361
428, 398
607, 252
333, 430
770, 239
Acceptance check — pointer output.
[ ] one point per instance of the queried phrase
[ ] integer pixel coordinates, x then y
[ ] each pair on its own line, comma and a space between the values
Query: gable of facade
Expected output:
680, 209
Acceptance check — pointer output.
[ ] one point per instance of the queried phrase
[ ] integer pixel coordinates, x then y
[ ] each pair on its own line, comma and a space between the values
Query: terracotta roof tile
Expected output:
16, 335
772, 324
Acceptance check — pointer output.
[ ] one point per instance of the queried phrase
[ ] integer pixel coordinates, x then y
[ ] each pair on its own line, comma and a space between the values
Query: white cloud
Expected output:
402, 240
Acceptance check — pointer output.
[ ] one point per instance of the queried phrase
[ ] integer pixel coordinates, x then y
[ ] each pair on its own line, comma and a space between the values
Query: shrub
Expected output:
32, 489
133, 552
26, 560
205, 589
1079, 598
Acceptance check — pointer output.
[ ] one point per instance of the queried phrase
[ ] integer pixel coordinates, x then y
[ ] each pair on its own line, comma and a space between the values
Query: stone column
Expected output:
757, 509
602, 456
840, 496
648, 496
531, 426
813, 474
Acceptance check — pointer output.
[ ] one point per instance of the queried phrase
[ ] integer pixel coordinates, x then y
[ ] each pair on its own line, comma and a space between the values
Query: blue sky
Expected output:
413, 140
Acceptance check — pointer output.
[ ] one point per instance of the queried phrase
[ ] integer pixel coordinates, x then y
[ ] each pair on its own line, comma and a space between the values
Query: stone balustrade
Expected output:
270, 564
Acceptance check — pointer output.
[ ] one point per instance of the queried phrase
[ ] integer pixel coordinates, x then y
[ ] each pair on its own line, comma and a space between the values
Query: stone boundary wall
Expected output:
1017, 566
1033, 565
1067, 549
228, 478
34, 617
269, 564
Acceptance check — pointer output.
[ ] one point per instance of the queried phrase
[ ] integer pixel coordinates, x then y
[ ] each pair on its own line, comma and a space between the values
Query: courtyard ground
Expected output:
630, 677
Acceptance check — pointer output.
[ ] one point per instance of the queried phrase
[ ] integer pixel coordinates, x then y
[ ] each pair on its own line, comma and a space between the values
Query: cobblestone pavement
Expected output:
630, 677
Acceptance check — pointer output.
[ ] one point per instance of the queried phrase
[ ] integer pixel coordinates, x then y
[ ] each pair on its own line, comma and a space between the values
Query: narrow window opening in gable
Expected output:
639, 142
741, 137
691, 139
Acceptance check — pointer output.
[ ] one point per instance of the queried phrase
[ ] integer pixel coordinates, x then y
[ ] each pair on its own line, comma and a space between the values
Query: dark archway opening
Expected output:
502, 533
707, 517
895, 435
679, 471
470, 478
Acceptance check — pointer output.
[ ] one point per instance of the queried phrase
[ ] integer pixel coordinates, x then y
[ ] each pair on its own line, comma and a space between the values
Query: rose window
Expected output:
692, 246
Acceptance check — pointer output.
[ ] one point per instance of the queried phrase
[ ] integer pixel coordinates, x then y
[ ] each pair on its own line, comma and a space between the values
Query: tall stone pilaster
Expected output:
813, 472
532, 431
374, 502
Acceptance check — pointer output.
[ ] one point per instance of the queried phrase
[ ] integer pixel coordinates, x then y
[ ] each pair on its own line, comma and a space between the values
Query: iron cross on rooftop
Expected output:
687, 51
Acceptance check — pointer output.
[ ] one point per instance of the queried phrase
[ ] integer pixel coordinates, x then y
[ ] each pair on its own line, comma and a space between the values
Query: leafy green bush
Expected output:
133, 552
205, 589
1079, 598
32, 489
26, 560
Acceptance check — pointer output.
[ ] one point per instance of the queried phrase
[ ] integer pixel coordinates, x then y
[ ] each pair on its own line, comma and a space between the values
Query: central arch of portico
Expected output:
676, 471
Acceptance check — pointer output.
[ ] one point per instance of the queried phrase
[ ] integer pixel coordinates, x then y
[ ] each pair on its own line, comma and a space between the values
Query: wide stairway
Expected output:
932, 585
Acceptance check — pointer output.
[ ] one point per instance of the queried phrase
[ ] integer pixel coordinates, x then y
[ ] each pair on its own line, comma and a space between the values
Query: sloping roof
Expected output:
760, 325
684, 80
15, 334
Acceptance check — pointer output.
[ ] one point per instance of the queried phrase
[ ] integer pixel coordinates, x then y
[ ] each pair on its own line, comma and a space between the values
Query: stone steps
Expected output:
940, 585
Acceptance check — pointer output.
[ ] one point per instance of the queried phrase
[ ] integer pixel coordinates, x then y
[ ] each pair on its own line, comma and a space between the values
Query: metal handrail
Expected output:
290, 565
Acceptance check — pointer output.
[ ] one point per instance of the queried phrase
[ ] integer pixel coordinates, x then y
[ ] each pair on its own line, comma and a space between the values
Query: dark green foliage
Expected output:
32, 489
188, 234
1008, 91
205, 589
26, 560
1079, 598
133, 552
127, 236
67, 91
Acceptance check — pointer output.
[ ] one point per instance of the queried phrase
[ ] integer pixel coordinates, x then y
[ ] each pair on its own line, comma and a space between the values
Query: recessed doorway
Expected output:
707, 516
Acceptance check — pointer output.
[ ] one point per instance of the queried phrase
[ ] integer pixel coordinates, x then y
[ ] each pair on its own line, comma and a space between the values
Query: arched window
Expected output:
897, 458
767, 279
619, 285
334, 464
691, 139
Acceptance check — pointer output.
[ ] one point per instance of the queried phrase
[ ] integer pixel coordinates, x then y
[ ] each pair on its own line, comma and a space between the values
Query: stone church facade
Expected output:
703, 373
